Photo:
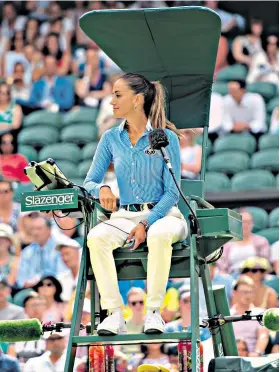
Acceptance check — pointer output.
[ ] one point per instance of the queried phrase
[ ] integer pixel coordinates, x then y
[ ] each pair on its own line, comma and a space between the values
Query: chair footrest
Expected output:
129, 339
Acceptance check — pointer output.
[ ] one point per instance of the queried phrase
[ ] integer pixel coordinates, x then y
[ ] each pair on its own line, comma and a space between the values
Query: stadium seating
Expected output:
61, 151
252, 179
229, 162
68, 168
274, 102
239, 142
269, 141
266, 159
82, 115
260, 217
236, 71
21, 296
29, 152
270, 233
220, 87
89, 150
79, 133
199, 140
215, 181
38, 138
273, 219
43, 117
266, 90
83, 168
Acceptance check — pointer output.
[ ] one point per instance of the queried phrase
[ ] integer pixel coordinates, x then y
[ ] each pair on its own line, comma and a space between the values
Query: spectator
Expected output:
31, 33
151, 354
191, 154
232, 24
70, 251
274, 121
274, 257
9, 263
19, 89
50, 289
93, 86
256, 335
34, 307
222, 55
45, 259
51, 92
251, 245
24, 231
10, 21
9, 210
54, 358
62, 57
257, 268
10, 113
218, 278
245, 47
265, 64
242, 347
8, 311
66, 34
8, 363
34, 64
216, 115
14, 55
11, 162
67, 225
243, 111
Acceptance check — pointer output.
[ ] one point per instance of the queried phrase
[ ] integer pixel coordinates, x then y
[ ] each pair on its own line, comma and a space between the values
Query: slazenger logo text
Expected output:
48, 200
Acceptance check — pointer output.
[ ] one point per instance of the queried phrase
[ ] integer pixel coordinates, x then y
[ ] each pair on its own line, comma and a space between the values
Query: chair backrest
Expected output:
190, 187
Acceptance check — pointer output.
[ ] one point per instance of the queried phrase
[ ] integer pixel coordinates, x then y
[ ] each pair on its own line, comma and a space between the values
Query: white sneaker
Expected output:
112, 325
154, 323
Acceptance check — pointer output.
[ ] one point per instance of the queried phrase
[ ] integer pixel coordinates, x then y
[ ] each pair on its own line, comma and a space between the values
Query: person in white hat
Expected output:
9, 263
70, 251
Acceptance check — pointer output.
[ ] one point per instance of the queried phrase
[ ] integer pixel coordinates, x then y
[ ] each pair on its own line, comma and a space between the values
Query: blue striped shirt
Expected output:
142, 175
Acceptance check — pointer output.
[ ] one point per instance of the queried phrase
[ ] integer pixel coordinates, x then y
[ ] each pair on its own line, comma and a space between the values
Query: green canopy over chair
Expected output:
239, 142
187, 72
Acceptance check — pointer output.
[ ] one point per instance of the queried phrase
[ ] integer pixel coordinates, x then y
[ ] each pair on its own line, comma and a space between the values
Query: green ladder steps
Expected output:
129, 339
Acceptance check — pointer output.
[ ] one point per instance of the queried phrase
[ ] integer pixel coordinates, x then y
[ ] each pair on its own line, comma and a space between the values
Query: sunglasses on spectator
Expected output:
6, 191
134, 303
46, 284
244, 271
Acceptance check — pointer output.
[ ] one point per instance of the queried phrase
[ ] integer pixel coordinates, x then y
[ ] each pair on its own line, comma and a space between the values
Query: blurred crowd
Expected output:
47, 62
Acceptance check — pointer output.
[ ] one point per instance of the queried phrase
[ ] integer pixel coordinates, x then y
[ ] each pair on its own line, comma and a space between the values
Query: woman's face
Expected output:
6, 144
4, 94
19, 43
123, 100
47, 288
153, 347
52, 45
272, 45
257, 29
32, 26
247, 223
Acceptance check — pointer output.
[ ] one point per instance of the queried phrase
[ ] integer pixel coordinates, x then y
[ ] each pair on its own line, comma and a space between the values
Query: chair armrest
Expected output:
201, 202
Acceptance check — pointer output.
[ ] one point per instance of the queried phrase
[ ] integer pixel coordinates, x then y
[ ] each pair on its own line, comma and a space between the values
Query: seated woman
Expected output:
265, 64
151, 354
50, 289
10, 113
244, 48
93, 87
257, 268
191, 154
11, 162
9, 263
236, 252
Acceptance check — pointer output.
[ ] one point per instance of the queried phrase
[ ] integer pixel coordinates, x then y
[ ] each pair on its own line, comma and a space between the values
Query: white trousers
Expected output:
103, 239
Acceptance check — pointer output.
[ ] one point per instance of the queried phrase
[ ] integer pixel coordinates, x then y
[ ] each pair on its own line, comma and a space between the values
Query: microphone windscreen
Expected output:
271, 319
20, 330
158, 139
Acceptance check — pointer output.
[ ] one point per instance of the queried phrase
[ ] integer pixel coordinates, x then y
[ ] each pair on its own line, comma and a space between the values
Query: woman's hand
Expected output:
139, 234
107, 199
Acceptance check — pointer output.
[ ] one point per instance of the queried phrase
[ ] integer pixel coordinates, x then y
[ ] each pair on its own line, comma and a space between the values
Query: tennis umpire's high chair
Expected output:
177, 46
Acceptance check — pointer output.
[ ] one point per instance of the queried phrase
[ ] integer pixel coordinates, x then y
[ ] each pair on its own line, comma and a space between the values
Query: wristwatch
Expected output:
145, 224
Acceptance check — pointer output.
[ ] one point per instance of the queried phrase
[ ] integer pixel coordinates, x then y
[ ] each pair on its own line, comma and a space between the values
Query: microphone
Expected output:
271, 319
158, 141
28, 329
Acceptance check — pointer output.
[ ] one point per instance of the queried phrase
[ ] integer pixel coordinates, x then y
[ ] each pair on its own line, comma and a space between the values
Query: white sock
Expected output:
152, 310
114, 310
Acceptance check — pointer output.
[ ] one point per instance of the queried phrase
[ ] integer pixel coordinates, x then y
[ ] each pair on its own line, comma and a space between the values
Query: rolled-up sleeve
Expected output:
171, 194
99, 166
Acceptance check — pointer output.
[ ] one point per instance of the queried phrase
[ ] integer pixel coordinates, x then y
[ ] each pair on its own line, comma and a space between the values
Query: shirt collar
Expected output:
148, 126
